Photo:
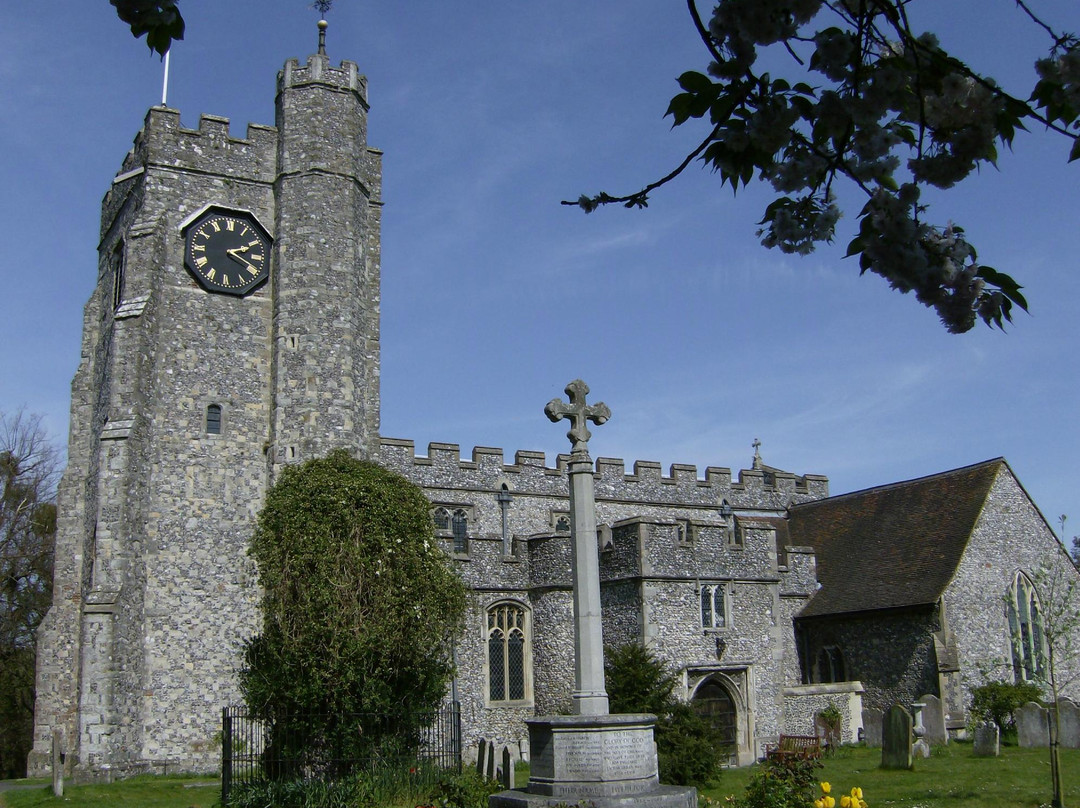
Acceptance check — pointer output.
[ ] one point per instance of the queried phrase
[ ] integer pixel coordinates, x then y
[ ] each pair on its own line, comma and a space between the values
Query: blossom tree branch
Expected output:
878, 105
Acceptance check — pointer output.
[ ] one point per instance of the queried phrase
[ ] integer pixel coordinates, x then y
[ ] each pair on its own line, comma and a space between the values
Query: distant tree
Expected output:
873, 102
359, 608
29, 465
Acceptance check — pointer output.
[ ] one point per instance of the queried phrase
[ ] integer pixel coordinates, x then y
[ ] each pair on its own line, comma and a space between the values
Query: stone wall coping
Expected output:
835, 688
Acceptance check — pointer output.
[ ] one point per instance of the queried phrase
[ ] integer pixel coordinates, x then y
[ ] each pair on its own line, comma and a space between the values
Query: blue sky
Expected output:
494, 296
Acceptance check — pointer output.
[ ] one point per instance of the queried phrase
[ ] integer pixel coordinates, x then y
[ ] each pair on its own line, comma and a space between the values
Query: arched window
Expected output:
459, 526
508, 653
1026, 630
714, 607
452, 522
213, 419
830, 665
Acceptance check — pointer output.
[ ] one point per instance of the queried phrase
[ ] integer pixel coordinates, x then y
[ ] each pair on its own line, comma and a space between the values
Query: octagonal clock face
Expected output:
227, 251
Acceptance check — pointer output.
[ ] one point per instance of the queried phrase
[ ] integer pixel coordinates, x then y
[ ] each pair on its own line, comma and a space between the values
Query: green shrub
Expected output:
466, 790
782, 783
689, 749
998, 701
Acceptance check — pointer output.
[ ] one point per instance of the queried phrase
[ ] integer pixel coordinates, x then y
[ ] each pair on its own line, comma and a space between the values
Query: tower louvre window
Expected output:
213, 419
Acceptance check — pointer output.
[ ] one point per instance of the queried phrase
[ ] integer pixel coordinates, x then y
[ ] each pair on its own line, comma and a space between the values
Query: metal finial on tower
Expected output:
322, 6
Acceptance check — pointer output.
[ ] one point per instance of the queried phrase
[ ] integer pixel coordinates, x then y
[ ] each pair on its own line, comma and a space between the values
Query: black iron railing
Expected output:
305, 747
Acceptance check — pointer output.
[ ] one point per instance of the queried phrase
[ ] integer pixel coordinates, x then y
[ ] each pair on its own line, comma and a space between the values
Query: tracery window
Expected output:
714, 607
1026, 630
508, 653
453, 522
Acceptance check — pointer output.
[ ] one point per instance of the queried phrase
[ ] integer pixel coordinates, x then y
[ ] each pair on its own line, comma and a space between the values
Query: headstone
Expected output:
934, 720
987, 740
507, 778
57, 764
1069, 736
1032, 726
871, 721
920, 748
490, 773
481, 757
896, 739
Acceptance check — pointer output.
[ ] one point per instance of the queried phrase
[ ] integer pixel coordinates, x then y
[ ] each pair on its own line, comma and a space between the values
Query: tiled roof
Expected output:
892, 546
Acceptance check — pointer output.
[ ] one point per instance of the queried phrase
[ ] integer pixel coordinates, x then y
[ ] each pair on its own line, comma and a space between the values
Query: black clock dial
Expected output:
227, 252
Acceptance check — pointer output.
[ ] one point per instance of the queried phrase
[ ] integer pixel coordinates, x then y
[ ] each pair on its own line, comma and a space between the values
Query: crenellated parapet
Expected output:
444, 467
318, 70
211, 148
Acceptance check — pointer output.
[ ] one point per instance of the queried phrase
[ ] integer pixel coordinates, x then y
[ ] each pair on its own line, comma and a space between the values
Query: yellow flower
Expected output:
819, 802
856, 792
829, 801
826, 788
845, 802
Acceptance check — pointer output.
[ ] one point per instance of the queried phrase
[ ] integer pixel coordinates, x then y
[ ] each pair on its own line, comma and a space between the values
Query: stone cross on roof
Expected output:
578, 413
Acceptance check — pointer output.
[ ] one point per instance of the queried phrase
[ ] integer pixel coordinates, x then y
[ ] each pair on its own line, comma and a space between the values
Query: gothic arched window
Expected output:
830, 665
1026, 630
452, 522
508, 653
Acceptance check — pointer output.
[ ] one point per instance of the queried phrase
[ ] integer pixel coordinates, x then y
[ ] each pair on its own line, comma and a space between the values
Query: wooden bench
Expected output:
794, 746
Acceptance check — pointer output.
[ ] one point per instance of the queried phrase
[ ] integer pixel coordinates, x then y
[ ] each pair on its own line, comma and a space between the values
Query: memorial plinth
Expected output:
591, 757
607, 761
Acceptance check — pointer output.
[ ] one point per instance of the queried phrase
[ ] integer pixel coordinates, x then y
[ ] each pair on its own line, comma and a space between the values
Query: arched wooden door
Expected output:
713, 703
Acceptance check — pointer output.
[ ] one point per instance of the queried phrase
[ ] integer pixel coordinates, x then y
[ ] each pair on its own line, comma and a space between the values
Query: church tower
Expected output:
234, 328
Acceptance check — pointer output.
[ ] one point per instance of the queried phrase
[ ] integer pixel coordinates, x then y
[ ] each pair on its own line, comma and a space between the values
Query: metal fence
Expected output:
255, 750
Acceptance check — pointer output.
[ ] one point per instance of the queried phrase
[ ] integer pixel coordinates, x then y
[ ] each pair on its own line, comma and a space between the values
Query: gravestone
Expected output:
590, 757
1032, 726
896, 739
57, 763
490, 773
871, 721
1069, 735
987, 740
507, 773
481, 757
933, 718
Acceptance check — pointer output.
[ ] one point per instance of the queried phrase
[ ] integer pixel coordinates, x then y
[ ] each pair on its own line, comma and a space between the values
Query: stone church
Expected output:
234, 329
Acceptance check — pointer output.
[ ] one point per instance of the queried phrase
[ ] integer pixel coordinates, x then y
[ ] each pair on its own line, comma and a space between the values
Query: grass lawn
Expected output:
951, 777
146, 791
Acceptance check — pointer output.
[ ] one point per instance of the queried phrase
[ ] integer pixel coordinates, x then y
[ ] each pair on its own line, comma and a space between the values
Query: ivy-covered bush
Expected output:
689, 749
359, 605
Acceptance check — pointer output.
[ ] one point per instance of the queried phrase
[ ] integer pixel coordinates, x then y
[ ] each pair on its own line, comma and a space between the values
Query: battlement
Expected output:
444, 462
318, 71
163, 142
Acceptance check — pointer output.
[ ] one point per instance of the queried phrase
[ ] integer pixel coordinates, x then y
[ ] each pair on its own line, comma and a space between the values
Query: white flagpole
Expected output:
165, 82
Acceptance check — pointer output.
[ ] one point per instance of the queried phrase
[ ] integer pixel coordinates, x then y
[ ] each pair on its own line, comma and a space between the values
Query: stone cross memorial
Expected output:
591, 756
